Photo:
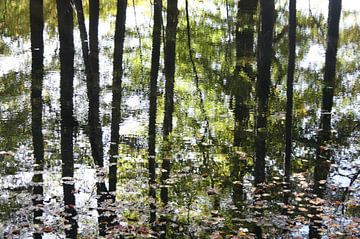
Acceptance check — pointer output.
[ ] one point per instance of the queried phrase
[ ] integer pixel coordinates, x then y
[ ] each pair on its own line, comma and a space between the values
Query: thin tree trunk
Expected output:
65, 22
323, 153
93, 86
116, 91
91, 61
170, 51
196, 76
155, 58
139, 38
228, 55
289, 90
265, 38
206, 134
83, 36
37, 73
170, 46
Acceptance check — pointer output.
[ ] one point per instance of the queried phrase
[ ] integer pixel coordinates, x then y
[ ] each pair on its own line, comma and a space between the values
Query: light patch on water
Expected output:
315, 57
340, 181
142, 16
21, 179
134, 102
132, 126
10, 63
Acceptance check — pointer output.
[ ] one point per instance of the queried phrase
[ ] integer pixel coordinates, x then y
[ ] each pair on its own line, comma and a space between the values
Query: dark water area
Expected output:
215, 167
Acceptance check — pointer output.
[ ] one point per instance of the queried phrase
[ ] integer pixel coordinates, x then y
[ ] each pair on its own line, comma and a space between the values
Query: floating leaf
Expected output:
47, 229
322, 182
302, 209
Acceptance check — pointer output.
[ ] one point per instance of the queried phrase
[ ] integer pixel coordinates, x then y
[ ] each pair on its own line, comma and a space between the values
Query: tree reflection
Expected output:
65, 22
37, 72
263, 82
222, 152
323, 151
155, 63
242, 81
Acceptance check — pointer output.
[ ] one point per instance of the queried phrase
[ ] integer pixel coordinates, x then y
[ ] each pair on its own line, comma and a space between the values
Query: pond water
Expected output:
211, 189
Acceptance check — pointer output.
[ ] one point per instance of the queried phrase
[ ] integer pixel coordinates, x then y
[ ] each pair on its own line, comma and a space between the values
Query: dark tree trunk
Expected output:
95, 133
323, 153
170, 51
243, 79
265, 38
91, 61
37, 73
65, 23
116, 91
170, 46
83, 36
93, 86
106, 216
289, 90
155, 57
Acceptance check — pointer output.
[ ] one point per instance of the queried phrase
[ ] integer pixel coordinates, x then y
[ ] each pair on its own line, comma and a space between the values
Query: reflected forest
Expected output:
219, 119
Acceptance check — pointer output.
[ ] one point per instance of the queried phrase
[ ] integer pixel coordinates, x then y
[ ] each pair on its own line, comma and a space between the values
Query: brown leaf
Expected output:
47, 229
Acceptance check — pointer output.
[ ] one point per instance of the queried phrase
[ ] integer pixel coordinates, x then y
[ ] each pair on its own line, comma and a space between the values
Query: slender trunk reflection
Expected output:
155, 58
289, 98
170, 46
37, 73
265, 38
116, 91
95, 132
65, 23
289, 90
91, 62
83, 36
206, 135
93, 87
323, 152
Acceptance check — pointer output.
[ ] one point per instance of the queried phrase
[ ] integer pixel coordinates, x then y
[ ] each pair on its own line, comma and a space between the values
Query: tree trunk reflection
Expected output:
116, 91
170, 46
267, 9
65, 22
155, 62
242, 83
37, 73
323, 152
289, 90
